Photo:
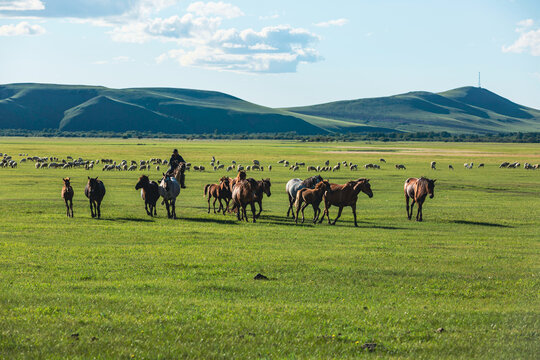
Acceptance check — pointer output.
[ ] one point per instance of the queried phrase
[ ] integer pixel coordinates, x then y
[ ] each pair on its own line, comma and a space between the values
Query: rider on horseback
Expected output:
174, 163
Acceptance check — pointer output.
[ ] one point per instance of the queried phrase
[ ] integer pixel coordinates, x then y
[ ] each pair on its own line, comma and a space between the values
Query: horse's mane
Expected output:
310, 182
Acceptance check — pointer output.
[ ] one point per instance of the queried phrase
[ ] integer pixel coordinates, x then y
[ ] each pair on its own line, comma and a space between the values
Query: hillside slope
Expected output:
462, 110
186, 111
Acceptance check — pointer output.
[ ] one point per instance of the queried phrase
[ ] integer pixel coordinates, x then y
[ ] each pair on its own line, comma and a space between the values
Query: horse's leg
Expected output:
407, 206
209, 196
353, 206
168, 210
214, 204
91, 208
71, 206
67, 207
146, 205
419, 213
253, 211
290, 209
324, 212
260, 208
338, 215
316, 212
411, 209
220, 205
99, 209
238, 212
173, 205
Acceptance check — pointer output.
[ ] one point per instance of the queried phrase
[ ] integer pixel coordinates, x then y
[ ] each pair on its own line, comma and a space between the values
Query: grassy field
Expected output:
131, 286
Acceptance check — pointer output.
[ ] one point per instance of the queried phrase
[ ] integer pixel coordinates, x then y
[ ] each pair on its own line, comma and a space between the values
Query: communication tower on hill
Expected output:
479, 84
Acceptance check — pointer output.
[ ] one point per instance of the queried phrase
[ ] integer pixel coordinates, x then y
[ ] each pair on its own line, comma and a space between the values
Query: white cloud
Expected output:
276, 49
21, 5
336, 22
221, 9
526, 23
22, 28
115, 60
269, 17
528, 41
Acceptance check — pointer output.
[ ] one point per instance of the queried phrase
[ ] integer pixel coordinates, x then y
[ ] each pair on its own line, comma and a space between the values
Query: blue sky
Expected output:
276, 53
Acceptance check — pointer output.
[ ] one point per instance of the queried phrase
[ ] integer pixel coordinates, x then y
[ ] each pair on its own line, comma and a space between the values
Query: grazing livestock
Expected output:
294, 185
313, 197
67, 195
382, 160
481, 165
450, 167
400, 166
504, 164
417, 190
169, 189
433, 165
149, 193
221, 191
260, 188
95, 191
243, 194
345, 195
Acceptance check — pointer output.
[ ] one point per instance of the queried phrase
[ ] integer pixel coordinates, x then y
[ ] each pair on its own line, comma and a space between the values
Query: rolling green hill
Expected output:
186, 111
462, 110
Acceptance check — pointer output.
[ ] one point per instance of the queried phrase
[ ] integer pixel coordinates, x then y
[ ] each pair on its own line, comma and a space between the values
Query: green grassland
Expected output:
132, 286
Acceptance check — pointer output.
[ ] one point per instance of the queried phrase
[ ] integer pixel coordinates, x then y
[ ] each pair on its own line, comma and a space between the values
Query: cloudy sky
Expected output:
276, 53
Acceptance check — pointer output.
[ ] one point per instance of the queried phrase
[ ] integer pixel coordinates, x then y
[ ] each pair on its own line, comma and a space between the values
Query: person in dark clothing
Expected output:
174, 162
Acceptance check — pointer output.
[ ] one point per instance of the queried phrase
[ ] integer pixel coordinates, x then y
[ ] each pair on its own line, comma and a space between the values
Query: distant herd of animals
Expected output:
235, 195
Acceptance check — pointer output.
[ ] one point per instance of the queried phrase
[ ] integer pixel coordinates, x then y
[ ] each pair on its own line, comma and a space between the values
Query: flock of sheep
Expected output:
52, 162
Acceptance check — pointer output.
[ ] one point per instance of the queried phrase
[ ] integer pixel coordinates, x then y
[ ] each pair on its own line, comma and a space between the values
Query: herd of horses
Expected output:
235, 195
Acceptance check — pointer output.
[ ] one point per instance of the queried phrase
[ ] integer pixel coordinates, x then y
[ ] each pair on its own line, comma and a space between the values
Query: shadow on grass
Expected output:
124, 219
480, 223
210, 220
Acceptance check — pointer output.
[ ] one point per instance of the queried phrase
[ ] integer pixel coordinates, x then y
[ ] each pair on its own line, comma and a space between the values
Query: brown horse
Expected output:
417, 190
67, 195
95, 191
179, 174
221, 191
149, 193
243, 194
345, 195
313, 197
261, 187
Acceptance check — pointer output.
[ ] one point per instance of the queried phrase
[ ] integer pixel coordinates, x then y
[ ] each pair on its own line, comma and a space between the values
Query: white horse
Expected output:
169, 189
294, 185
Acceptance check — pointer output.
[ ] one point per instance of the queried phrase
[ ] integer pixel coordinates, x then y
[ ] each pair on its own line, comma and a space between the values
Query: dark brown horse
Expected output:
313, 197
261, 187
221, 191
243, 194
345, 195
417, 190
95, 191
67, 195
149, 193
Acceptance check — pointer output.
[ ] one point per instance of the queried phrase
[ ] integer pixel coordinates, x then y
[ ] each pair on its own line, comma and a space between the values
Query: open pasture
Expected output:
132, 286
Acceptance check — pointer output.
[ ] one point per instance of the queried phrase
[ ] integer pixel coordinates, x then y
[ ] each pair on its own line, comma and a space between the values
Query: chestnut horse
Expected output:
95, 191
149, 193
67, 195
221, 191
261, 187
313, 197
417, 190
243, 194
345, 195
294, 185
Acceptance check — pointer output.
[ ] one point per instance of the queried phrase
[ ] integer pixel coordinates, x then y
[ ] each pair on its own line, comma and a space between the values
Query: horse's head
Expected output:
66, 182
266, 186
364, 186
165, 181
317, 179
93, 184
143, 181
431, 188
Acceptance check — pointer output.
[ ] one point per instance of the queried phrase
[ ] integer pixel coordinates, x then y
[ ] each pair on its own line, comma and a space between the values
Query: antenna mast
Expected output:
479, 84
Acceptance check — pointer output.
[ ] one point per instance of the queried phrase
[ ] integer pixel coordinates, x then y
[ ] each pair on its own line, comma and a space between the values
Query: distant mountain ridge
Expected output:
186, 111
465, 109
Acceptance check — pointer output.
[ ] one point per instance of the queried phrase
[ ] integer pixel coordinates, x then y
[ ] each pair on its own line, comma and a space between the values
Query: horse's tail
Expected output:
299, 198
206, 190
